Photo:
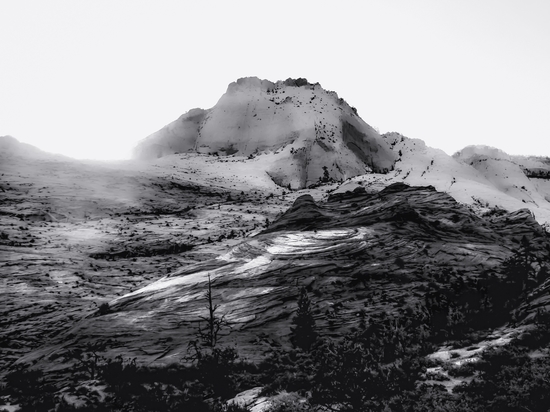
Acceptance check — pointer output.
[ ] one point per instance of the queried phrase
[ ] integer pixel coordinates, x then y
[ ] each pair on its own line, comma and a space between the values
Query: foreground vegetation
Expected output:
380, 366
356, 374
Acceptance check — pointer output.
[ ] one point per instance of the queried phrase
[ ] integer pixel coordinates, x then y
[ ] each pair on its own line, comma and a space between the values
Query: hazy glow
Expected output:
90, 78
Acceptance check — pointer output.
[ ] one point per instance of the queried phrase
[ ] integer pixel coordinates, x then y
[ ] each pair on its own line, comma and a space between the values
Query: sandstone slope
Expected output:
358, 252
76, 234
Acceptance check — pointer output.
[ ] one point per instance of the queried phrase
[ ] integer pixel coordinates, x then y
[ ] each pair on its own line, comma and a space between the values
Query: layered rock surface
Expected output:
356, 253
75, 235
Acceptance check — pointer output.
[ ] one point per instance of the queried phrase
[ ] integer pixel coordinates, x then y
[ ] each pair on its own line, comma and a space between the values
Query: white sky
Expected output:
90, 78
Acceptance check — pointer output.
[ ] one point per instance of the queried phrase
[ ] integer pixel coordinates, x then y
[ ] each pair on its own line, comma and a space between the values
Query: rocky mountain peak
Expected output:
305, 134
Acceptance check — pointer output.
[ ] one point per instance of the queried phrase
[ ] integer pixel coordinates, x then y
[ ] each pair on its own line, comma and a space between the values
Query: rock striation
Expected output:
358, 254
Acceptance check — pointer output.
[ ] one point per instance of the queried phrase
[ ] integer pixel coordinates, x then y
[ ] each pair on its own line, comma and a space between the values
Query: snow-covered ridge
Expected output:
481, 176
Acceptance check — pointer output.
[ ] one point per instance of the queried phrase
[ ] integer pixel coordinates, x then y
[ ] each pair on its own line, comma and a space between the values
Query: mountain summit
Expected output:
304, 133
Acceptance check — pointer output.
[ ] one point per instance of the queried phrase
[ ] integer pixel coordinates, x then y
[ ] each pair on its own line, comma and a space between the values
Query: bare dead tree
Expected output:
209, 333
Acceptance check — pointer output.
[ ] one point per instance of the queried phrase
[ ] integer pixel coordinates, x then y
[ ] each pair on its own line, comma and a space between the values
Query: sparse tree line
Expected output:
379, 366
537, 173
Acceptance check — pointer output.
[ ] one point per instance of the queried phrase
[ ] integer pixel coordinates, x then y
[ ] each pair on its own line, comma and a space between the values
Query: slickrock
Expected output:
356, 252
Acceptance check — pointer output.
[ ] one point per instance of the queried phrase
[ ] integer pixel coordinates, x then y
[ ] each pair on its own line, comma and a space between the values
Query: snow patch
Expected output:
253, 264
314, 242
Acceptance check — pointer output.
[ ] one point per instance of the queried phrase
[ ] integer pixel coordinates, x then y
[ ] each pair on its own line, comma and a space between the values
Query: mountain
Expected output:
308, 134
299, 135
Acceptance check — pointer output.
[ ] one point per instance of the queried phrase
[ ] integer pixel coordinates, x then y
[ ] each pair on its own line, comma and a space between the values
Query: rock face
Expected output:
358, 252
179, 136
315, 134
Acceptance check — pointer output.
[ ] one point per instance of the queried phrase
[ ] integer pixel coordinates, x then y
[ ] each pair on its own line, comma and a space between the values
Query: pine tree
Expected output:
519, 268
326, 175
303, 332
